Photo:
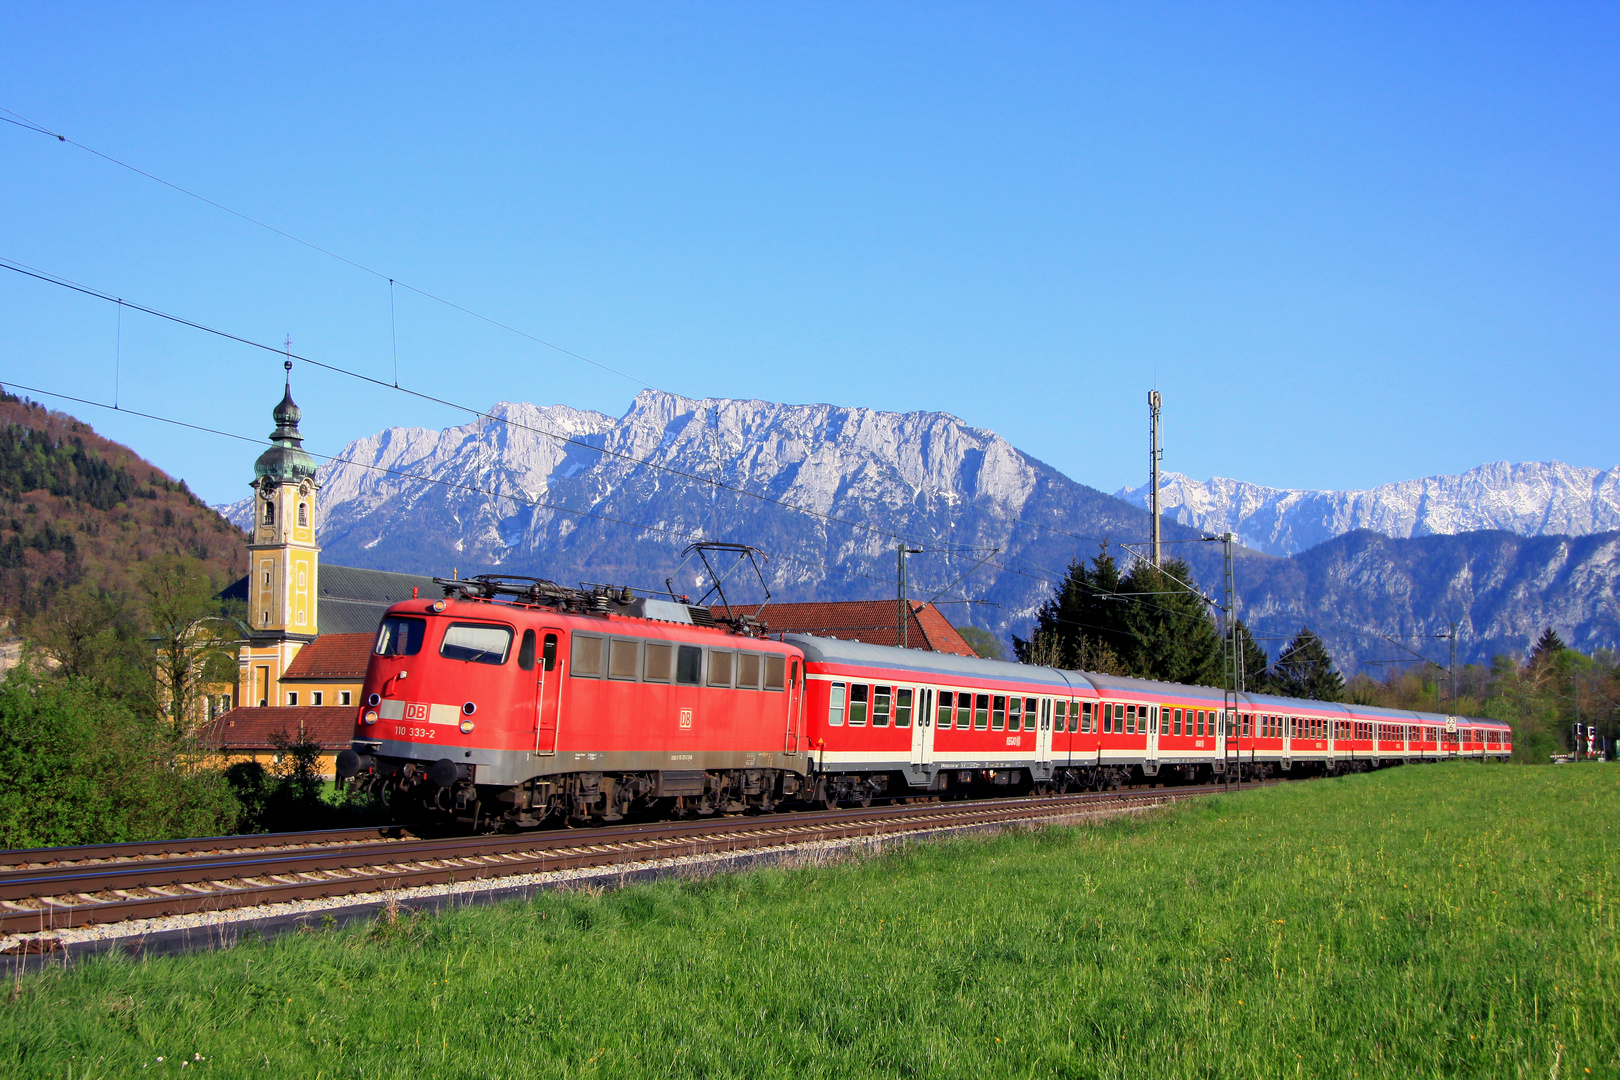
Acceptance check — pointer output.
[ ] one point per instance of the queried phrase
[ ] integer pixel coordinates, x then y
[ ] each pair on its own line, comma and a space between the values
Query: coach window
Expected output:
947, 711
1248, 725
655, 664
1074, 716
1085, 717
981, 712
622, 657
774, 668
835, 705
1029, 714
1130, 720
858, 701
748, 670
399, 636
689, 665
998, 713
476, 643
526, 651
1060, 717
720, 667
964, 710
881, 700
1015, 714
902, 707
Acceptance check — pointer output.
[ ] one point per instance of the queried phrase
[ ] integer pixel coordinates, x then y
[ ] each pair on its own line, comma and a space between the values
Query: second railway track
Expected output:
116, 884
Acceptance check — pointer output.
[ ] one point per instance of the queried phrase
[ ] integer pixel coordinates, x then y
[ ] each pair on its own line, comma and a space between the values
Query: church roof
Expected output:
352, 600
332, 657
286, 461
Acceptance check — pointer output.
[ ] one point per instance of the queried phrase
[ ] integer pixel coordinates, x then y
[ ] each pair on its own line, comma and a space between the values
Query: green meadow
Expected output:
1452, 920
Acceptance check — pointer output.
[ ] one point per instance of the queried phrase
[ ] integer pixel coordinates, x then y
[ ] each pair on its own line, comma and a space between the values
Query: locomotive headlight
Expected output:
370, 716
438, 605
466, 727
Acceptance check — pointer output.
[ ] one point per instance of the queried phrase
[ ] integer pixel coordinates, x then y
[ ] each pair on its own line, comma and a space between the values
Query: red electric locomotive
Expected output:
511, 701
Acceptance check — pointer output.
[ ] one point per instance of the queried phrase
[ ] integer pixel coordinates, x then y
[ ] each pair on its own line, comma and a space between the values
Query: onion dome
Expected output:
286, 461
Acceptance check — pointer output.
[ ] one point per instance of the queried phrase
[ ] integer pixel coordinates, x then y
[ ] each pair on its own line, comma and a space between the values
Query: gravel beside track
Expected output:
208, 888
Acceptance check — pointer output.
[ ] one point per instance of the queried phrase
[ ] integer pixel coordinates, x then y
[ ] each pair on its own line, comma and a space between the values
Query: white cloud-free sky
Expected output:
1349, 244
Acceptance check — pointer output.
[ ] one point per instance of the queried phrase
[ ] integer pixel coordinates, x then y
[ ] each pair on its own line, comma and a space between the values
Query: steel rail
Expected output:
78, 895
90, 853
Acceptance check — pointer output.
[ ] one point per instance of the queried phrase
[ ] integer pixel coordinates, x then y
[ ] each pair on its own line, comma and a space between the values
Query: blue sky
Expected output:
1350, 245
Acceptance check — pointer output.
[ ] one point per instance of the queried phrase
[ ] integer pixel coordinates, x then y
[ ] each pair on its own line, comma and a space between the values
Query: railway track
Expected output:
115, 883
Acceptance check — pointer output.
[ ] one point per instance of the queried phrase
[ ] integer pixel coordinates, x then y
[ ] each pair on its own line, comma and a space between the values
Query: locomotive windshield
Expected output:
399, 636
479, 643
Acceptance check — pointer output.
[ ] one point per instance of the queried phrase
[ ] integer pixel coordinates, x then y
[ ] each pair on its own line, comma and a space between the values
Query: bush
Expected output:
78, 767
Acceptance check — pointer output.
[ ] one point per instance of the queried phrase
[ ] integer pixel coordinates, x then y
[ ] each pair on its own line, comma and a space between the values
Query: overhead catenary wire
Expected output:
25, 122
437, 481
285, 352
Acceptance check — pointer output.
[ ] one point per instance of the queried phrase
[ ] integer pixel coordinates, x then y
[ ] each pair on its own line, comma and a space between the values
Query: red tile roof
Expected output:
256, 728
332, 657
871, 621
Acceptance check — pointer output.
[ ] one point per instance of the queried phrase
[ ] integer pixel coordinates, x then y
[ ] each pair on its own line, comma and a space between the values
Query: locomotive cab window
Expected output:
623, 653
720, 663
400, 636
548, 654
526, 651
476, 643
775, 666
656, 661
689, 665
586, 662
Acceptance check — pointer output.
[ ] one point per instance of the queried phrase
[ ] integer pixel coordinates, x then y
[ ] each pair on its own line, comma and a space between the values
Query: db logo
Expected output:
686, 719
415, 710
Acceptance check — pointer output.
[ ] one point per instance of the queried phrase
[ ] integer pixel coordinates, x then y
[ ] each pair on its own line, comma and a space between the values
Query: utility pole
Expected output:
902, 624
1234, 666
1451, 667
1154, 453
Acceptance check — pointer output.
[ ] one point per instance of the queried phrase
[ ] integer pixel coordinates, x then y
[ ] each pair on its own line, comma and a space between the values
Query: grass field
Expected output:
1425, 921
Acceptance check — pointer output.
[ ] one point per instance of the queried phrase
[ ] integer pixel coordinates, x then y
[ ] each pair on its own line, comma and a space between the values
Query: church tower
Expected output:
283, 558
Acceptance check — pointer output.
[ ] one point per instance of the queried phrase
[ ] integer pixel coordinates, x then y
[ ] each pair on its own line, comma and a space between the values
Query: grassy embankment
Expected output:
1427, 921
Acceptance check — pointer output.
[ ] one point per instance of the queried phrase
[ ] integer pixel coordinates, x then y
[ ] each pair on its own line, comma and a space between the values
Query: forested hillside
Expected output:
77, 507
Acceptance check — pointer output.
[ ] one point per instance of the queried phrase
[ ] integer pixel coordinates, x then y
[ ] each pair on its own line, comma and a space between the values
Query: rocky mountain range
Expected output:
828, 492
1537, 498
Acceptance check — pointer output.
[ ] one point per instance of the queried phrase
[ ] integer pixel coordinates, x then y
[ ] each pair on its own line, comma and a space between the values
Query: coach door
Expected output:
1152, 734
543, 657
922, 727
1043, 737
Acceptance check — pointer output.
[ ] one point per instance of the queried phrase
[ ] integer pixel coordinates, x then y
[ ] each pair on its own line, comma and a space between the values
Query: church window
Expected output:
303, 515
266, 619
269, 513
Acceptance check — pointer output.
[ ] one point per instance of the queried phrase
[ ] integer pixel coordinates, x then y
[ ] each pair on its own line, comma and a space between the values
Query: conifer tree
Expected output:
1547, 646
1305, 670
